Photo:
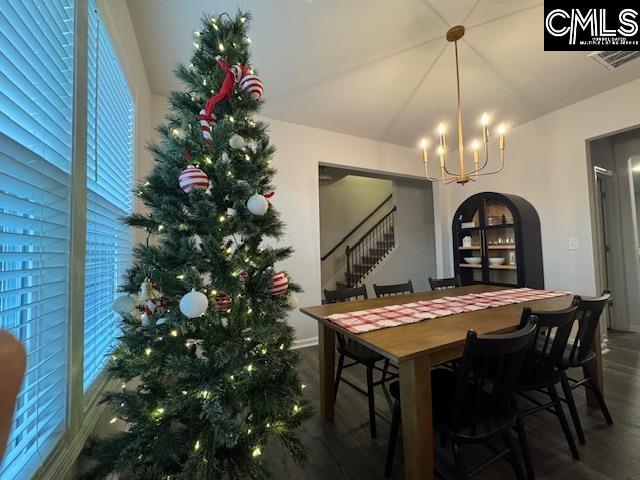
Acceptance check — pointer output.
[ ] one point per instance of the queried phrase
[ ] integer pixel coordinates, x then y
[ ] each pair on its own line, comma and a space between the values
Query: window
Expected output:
37, 46
109, 196
36, 89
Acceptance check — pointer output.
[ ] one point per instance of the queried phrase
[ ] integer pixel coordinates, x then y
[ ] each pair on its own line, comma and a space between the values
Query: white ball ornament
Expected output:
237, 142
257, 204
124, 304
293, 300
194, 304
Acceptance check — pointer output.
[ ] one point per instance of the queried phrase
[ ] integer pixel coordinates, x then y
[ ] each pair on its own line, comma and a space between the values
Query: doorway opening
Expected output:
374, 228
614, 166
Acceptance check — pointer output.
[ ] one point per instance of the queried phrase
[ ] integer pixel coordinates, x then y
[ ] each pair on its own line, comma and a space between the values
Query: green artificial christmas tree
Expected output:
208, 377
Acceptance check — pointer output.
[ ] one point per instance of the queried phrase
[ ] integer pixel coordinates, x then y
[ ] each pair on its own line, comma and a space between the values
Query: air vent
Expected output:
613, 60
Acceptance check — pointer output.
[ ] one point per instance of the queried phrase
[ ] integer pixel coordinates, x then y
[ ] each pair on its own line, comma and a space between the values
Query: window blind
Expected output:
110, 184
36, 85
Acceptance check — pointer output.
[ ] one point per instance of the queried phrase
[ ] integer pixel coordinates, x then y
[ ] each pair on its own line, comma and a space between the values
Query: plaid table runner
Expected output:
394, 315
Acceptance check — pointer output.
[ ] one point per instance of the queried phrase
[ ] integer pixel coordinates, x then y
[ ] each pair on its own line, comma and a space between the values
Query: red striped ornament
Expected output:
279, 284
252, 85
193, 178
223, 302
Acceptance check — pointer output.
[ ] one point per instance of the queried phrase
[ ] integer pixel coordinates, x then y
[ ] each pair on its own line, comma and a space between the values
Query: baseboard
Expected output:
305, 342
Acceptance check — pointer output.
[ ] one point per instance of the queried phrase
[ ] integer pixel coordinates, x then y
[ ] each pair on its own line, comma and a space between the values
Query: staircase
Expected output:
370, 250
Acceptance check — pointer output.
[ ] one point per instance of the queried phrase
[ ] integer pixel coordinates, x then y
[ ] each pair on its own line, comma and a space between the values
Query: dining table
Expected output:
416, 348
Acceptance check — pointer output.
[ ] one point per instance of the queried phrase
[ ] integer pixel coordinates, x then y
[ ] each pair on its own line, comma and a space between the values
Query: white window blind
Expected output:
36, 85
110, 184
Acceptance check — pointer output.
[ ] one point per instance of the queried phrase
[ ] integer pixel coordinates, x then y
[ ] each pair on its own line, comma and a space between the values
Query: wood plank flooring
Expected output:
344, 449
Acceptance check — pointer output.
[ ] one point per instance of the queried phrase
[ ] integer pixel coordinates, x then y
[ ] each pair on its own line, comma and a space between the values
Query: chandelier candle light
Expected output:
462, 177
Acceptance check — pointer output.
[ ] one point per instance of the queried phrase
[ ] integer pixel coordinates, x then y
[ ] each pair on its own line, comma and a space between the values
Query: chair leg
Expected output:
460, 465
524, 446
563, 422
599, 397
338, 376
372, 402
513, 455
393, 439
568, 394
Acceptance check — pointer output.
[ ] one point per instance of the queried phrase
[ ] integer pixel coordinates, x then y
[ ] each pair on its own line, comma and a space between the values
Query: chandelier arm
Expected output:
484, 164
499, 169
433, 179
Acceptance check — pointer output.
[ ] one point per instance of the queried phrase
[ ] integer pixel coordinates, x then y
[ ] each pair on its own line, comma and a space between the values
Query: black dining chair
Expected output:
444, 283
581, 354
541, 371
475, 404
393, 290
359, 355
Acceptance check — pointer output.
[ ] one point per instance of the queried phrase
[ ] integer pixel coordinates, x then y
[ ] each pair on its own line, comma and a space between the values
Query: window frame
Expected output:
83, 408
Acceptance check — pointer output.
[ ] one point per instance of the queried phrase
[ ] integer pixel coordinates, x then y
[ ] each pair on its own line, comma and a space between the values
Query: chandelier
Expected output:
462, 176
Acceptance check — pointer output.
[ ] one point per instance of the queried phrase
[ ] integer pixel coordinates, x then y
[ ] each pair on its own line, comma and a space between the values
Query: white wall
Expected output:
300, 151
546, 164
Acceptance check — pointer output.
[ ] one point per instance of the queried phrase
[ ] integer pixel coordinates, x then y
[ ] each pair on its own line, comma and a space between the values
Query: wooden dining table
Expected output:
416, 348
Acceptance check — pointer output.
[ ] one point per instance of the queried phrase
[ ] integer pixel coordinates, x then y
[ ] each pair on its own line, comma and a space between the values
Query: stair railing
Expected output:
374, 245
355, 229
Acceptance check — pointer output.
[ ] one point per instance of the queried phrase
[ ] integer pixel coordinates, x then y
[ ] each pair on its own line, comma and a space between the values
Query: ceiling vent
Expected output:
613, 60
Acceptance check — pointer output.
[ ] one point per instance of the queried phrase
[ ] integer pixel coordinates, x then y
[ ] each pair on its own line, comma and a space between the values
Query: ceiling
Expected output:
382, 69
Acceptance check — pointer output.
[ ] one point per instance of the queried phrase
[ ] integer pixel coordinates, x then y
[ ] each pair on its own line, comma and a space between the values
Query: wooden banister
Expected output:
354, 229
374, 245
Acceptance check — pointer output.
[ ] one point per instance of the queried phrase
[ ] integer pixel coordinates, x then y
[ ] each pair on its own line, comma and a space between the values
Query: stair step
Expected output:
341, 285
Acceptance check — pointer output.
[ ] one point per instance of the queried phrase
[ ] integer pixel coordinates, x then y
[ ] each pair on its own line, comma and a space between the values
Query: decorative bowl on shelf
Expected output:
473, 260
496, 260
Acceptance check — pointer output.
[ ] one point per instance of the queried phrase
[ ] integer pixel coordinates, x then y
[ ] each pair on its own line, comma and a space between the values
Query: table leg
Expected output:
417, 428
327, 352
595, 369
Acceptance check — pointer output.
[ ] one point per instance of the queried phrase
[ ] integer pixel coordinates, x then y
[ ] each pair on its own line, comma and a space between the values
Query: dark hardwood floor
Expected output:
344, 449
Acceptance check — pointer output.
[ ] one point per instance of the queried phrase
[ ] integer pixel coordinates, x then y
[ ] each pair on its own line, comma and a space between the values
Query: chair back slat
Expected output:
345, 295
488, 372
444, 283
393, 290
553, 329
588, 319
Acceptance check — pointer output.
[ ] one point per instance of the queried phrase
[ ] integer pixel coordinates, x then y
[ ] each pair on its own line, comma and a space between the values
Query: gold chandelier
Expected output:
462, 177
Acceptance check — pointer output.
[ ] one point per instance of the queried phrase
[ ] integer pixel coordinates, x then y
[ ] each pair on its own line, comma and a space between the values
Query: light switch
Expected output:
573, 243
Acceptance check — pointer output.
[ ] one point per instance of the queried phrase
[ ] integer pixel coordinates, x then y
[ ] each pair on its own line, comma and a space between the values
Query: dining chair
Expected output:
359, 355
541, 371
393, 290
444, 283
581, 354
475, 404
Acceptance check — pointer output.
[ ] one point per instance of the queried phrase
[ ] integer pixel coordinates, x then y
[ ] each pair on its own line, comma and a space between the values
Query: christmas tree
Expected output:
208, 377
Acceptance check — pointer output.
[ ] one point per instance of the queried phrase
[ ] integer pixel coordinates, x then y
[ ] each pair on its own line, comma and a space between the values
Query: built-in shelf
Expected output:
506, 227
500, 225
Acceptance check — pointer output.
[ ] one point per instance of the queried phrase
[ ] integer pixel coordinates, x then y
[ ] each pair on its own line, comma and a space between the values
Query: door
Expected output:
605, 194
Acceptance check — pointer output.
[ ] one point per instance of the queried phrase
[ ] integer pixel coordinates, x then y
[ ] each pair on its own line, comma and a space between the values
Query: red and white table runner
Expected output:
395, 315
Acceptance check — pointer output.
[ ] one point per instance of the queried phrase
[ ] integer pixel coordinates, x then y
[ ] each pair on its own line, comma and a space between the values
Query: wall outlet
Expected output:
573, 243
